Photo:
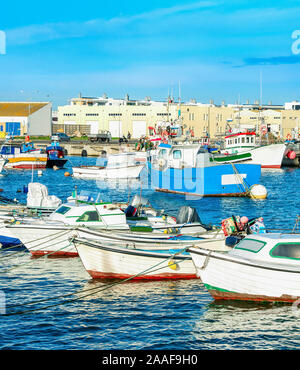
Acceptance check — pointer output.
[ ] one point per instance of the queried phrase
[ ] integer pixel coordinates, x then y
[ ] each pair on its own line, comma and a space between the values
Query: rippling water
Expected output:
141, 315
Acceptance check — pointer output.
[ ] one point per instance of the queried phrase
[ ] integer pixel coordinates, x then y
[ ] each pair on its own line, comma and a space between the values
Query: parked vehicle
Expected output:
63, 137
101, 136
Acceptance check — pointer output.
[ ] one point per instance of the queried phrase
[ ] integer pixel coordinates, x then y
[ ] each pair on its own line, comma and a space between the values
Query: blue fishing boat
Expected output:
189, 169
55, 154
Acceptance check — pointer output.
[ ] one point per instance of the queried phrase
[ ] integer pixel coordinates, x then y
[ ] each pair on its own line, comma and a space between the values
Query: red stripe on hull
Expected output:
271, 166
111, 275
219, 295
28, 166
54, 254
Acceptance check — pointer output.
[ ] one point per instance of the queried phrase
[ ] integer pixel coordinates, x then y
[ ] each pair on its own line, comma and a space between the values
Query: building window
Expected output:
69, 114
115, 114
92, 114
139, 114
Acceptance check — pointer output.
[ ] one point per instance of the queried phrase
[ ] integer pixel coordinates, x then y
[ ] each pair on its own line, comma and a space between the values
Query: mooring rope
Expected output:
150, 269
30, 241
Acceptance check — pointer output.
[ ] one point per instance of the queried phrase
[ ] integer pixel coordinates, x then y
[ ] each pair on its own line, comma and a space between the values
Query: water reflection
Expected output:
247, 325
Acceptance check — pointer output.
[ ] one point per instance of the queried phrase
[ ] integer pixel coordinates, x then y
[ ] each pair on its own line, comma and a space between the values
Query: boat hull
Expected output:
56, 162
26, 161
268, 156
106, 261
215, 180
127, 172
43, 240
231, 278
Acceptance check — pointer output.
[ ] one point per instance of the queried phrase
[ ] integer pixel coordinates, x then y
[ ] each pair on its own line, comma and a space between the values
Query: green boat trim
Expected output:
210, 287
233, 157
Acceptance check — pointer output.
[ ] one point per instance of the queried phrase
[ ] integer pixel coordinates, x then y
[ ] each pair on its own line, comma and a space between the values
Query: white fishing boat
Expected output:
263, 267
117, 166
141, 216
103, 259
242, 147
215, 239
50, 234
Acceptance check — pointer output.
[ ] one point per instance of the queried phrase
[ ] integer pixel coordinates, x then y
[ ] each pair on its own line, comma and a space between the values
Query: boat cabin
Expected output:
240, 140
182, 155
88, 210
273, 248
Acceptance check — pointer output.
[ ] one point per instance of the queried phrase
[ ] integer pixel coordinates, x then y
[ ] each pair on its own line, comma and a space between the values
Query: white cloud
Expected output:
43, 32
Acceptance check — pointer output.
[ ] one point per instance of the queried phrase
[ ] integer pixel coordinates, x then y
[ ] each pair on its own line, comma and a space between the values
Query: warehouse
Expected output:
25, 118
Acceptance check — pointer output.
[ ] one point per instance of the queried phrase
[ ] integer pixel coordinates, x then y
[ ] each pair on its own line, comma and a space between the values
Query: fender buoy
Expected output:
172, 264
291, 154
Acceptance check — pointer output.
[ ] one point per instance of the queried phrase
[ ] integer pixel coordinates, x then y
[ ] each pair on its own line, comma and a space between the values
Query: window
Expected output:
177, 154
89, 216
92, 114
247, 139
286, 250
235, 141
250, 245
162, 153
252, 140
243, 140
62, 210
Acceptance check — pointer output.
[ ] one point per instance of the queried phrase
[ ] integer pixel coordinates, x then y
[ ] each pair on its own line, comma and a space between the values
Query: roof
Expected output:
20, 109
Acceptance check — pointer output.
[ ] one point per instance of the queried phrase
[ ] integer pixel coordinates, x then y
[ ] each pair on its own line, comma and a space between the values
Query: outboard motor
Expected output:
138, 201
187, 215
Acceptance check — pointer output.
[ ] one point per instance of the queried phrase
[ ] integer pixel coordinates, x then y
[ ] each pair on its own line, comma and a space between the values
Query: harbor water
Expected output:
143, 315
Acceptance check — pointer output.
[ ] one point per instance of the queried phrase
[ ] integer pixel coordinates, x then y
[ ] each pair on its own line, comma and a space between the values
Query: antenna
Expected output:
260, 88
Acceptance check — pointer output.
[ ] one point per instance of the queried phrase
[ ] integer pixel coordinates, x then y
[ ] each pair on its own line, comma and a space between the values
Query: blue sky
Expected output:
216, 49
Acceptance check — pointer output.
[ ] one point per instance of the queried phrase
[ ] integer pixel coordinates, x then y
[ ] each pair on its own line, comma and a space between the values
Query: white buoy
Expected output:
40, 172
258, 192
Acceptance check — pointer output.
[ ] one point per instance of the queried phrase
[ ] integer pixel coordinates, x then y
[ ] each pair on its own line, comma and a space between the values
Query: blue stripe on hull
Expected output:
205, 181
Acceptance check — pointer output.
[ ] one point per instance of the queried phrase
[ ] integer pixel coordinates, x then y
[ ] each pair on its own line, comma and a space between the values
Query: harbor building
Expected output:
89, 115
25, 118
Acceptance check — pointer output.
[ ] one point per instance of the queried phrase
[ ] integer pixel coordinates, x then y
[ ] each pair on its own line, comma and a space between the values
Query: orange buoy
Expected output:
67, 174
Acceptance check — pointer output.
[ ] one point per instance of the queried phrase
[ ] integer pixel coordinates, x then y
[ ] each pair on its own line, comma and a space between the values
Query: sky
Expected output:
230, 51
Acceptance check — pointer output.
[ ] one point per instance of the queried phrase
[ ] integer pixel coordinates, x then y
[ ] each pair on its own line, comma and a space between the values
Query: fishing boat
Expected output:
92, 212
50, 234
152, 260
116, 166
189, 169
261, 267
141, 216
242, 147
25, 156
55, 154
